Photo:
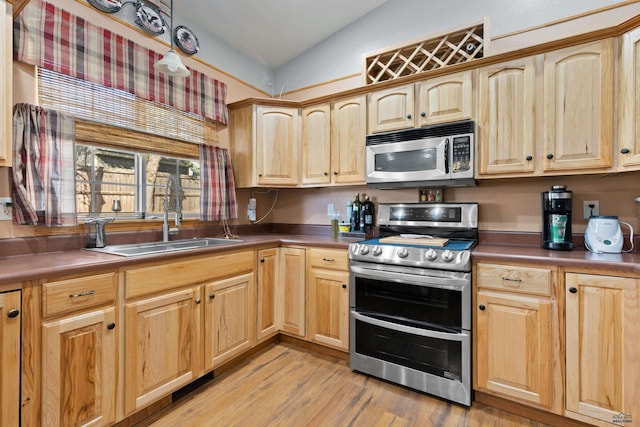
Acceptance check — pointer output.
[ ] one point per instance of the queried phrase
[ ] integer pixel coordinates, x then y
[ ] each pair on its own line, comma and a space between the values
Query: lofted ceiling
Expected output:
273, 32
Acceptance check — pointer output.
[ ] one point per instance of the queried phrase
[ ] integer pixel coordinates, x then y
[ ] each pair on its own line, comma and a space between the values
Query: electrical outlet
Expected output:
331, 209
5, 208
589, 211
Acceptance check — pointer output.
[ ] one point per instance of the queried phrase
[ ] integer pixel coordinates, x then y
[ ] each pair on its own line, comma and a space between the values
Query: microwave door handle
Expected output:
446, 156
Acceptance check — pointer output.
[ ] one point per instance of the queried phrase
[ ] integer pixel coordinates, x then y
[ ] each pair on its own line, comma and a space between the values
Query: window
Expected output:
138, 180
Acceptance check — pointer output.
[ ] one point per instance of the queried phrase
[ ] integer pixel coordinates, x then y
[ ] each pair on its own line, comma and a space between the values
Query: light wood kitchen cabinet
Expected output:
265, 143
348, 134
578, 107
293, 294
328, 297
517, 335
506, 118
602, 348
316, 145
161, 347
79, 350
6, 80
229, 318
391, 109
10, 358
268, 278
444, 99
629, 103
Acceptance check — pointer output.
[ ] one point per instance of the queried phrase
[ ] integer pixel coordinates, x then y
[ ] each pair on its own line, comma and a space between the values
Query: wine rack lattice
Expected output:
459, 46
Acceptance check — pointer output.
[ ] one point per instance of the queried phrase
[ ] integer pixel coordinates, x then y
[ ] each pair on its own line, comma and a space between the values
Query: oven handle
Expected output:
414, 279
409, 329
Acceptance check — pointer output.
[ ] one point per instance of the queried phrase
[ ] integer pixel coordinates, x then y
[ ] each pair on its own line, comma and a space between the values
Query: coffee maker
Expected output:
556, 218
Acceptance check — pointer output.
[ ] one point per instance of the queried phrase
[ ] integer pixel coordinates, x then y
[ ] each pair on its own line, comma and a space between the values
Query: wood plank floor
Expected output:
287, 386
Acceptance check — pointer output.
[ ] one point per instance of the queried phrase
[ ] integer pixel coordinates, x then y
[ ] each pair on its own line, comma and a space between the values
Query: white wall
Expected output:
398, 21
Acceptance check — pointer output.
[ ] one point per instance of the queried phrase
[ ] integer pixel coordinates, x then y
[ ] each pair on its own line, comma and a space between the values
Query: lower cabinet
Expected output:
602, 348
10, 358
268, 278
516, 333
162, 345
328, 297
229, 318
292, 294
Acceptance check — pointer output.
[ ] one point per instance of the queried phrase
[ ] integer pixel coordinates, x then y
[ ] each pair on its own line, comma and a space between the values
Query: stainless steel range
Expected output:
410, 298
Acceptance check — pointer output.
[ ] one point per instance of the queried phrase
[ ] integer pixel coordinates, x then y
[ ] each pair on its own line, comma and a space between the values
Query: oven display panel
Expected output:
426, 213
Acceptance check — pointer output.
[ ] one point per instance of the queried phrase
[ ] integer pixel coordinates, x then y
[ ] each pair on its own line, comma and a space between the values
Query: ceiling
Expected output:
273, 32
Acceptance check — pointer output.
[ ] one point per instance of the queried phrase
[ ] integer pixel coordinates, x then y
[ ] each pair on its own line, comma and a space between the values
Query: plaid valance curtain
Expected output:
217, 188
52, 38
43, 167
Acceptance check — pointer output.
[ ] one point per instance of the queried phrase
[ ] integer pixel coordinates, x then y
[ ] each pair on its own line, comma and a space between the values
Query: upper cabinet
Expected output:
348, 134
391, 109
629, 102
578, 107
316, 145
6, 80
506, 118
444, 99
265, 146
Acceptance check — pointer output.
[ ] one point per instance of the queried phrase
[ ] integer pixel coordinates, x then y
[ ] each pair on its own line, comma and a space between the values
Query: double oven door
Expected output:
412, 326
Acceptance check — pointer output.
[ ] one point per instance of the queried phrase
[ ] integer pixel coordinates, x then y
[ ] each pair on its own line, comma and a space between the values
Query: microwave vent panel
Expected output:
459, 46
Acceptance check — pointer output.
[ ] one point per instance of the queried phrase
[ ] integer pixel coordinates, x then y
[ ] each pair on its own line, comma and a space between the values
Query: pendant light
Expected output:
171, 64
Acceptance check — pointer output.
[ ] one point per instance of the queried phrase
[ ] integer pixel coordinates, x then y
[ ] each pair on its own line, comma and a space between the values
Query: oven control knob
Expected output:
447, 256
377, 250
431, 254
403, 253
364, 250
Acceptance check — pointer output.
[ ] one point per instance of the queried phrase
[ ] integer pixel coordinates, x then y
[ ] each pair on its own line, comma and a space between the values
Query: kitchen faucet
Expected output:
101, 238
166, 231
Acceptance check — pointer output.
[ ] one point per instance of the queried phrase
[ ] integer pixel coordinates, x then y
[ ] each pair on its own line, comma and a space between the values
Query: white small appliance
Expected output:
603, 235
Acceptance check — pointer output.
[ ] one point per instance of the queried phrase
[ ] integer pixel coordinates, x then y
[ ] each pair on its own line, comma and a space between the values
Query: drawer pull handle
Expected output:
514, 283
328, 259
82, 294
13, 313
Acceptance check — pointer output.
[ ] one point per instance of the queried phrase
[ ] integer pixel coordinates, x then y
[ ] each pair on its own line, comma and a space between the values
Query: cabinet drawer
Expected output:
329, 258
528, 280
81, 292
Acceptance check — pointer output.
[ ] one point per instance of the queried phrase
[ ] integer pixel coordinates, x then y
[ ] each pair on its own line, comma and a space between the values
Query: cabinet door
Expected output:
348, 138
316, 144
603, 336
267, 289
506, 121
329, 307
445, 99
578, 107
390, 109
278, 138
229, 318
6, 79
514, 347
10, 358
162, 346
79, 359
292, 268
629, 105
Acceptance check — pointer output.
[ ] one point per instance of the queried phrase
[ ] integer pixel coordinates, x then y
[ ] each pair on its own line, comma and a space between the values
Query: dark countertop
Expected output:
18, 268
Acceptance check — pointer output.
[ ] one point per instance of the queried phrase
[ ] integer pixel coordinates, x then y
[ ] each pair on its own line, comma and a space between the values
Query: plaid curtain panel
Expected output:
52, 38
217, 188
43, 167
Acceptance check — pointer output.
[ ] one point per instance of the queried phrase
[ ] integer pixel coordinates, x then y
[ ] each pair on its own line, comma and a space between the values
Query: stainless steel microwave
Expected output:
434, 156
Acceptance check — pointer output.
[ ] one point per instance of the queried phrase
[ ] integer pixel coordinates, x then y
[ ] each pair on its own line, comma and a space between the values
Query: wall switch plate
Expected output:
588, 211
6, 207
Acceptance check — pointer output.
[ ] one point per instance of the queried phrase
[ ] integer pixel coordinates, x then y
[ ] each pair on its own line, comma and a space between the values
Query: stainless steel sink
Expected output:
138, 249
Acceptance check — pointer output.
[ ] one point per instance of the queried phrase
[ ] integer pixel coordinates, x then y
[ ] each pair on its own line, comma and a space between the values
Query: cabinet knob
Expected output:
197, 300
529, 158
549, 156
13, 313
326, 173
335, 172
344, 286
212, 296
482, 307
111, 326
260, 175
423, 114
408, 116
625, 151
261, 259
573, 290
